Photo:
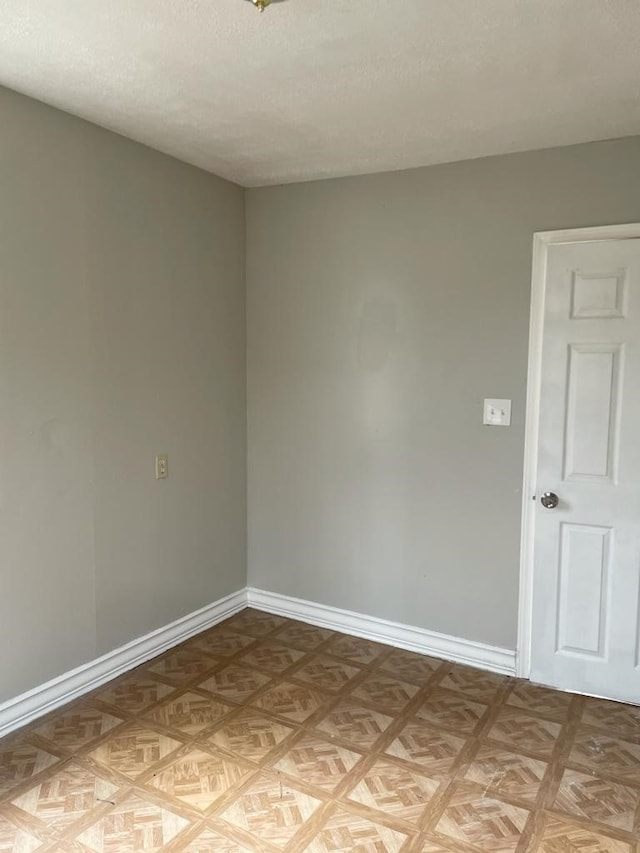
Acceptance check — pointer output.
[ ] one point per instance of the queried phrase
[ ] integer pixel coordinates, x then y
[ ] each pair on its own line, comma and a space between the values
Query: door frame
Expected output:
542, 240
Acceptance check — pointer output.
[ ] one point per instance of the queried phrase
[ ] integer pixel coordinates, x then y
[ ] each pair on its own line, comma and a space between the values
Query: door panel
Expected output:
592, 405
584, 580
586, 587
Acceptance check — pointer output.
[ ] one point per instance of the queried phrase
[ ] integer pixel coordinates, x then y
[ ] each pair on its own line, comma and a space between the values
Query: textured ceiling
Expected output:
319, 88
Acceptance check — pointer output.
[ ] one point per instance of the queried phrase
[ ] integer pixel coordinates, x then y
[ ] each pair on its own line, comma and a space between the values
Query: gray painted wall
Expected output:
381, 311
122, 335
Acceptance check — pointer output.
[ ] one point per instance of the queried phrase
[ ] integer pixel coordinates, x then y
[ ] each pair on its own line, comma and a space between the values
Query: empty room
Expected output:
320, 426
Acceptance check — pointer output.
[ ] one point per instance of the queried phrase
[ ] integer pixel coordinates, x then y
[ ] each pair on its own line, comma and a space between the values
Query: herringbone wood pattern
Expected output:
265, 735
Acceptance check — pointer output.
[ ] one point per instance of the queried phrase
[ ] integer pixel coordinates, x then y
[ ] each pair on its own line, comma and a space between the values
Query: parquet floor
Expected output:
269, 735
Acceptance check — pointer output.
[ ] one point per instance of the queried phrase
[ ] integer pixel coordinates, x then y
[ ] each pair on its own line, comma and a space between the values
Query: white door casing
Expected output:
580, 580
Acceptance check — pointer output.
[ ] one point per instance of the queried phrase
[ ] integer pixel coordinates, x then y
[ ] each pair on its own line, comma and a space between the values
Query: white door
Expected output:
586, 563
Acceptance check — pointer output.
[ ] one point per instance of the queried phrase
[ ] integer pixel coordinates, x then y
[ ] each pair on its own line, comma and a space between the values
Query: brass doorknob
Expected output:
549, 500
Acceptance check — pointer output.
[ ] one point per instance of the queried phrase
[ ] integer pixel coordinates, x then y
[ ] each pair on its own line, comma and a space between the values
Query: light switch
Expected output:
497, 413
162, 466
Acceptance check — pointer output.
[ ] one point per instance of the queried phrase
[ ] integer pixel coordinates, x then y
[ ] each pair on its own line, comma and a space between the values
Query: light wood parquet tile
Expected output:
563, 836
135, 693
355, 723
601, 754
471, 817
20, 761
410, 667
451, 711
235, 683
294, 702
190, 713
255, 622
540, 701
355, 649
183, 665
433, 847
74, 729
135, 826
16, 839
614, 718
250, 734
222, 642
302, 636
271, 656
210, 841
66, 797
199, 778
318, 762
522, 731
326, 673
598, 800
474, 684
435, 751
345, 832
386, 693
134, 750
271, 810
396, 790
264, 734
512, 774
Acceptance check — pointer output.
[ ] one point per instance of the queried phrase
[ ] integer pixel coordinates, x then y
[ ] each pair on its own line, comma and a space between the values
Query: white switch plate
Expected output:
497, 413
162, 466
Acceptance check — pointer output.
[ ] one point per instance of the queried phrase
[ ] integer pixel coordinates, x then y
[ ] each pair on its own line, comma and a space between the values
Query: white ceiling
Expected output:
319, 88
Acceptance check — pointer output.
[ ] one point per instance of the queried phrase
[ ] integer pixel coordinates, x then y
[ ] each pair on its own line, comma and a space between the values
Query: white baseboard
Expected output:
47, 697
51, 695
382, 631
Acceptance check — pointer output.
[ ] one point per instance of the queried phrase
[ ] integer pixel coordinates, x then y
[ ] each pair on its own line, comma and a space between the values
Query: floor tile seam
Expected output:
489, 792
131, 725
30, 828
340, 741
200, 678
335, 807
636, 821
400, 718
179, 683
276, 755
329, 703
561, 751
380, 816
209, 731
311, 828
164, 763
227, 830
37, 779
174, 803
550, 780
317, 649
50, 832
250, 698
363, 671
388, 736
184, 838
467, 755
350, 780
198, 691
276, 673
508, 746
93, 743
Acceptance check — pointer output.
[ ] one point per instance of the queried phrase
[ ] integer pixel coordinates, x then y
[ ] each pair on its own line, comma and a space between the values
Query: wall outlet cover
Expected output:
162, 466
497, 412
